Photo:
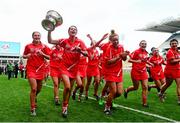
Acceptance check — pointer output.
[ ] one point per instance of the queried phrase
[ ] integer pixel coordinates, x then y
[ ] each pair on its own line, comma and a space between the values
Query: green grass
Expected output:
15, 107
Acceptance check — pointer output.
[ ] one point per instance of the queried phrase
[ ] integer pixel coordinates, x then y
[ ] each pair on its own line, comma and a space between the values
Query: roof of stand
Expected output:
169, 25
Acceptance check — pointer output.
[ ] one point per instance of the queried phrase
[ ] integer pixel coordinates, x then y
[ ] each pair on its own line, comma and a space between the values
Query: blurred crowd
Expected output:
13, 69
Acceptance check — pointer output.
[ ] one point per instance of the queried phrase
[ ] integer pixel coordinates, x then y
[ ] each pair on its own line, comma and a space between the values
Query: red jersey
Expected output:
36, 59
83, 60
172, 54
47, 67
93, 57
157, 70
82, 66
103, 47
93, 64
56, 57
70, 58
113, 72
139, 54
36, 63
157, 61
100, 65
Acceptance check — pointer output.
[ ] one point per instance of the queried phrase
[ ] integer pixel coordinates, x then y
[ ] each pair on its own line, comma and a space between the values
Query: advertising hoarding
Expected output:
9, 48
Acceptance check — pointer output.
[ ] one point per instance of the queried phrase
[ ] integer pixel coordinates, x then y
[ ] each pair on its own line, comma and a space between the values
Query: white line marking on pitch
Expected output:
131, 109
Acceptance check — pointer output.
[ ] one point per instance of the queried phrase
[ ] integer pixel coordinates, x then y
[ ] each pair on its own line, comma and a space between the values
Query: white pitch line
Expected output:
131, 109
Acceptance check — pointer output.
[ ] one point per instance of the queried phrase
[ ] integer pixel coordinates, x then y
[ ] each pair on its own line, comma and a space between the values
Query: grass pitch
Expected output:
15, 107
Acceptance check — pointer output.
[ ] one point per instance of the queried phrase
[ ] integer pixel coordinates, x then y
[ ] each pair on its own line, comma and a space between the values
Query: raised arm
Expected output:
89, 36
91, 39
96, 44
50, 40
102, 39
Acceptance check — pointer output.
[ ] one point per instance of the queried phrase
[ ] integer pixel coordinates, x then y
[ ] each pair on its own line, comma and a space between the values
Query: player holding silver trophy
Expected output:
73, 49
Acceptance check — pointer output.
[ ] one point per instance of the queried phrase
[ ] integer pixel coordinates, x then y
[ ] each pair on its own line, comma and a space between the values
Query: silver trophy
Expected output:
52, 20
